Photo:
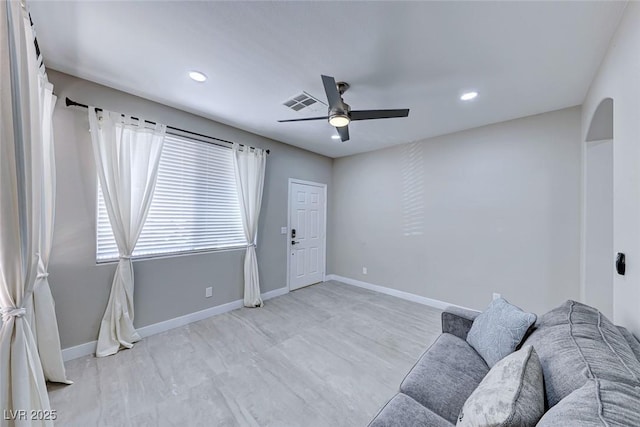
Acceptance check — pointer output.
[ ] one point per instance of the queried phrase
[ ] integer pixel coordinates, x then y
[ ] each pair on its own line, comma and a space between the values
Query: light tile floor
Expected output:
326, 355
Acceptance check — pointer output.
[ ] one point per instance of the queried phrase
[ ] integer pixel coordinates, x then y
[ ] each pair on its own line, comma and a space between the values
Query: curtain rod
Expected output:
71, 103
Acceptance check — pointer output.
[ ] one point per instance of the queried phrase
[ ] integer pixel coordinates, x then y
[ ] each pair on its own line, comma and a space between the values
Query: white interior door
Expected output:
307, 233
599, 258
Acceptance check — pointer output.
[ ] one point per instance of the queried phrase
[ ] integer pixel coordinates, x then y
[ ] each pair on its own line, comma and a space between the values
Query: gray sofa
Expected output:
591, 372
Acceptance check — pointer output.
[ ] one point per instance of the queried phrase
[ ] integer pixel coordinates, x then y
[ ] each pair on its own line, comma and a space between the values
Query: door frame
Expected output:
324, 236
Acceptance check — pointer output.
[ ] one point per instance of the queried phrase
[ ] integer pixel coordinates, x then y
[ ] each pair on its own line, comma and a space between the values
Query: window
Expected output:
194, 208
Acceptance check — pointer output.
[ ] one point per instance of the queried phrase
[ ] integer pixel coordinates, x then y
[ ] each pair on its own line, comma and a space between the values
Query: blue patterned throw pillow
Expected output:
497, 331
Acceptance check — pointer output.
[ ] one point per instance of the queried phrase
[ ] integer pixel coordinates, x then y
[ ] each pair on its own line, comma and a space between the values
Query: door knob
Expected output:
293, 242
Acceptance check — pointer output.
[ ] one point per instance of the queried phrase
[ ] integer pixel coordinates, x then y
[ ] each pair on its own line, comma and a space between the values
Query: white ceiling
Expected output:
523, 57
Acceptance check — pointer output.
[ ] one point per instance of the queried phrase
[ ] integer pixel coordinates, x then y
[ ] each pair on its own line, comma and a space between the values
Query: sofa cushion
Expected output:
576, 342
403, 411
512, 394
445, 376
633, 341
597, 403
498, 330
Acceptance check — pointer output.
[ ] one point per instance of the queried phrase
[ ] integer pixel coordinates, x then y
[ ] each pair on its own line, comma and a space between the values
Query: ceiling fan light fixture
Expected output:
339, 120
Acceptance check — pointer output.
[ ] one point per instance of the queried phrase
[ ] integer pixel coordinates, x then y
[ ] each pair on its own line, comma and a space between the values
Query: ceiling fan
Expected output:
340, 114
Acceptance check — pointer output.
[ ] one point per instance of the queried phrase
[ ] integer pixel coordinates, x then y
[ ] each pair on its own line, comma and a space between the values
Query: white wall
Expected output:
619, 78
457, 217
598, 205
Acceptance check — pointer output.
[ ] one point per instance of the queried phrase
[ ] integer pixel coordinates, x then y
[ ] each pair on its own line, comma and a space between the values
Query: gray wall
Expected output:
169, 287
457, 217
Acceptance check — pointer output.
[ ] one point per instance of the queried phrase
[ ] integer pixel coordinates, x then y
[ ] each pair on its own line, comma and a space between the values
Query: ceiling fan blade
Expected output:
378, 114
305, 119
331, 89
343, 132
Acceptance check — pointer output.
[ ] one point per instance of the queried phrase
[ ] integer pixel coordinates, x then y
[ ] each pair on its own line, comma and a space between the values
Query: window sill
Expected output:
172, 255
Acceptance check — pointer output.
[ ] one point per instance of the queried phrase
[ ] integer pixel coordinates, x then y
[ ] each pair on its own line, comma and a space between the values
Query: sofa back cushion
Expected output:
632, 340
597, 403
575, 343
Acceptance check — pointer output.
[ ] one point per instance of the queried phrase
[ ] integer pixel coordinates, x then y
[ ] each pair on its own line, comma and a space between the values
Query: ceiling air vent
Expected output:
306, 102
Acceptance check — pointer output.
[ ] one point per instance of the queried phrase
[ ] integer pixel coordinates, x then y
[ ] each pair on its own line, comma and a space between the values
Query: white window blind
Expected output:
194, 208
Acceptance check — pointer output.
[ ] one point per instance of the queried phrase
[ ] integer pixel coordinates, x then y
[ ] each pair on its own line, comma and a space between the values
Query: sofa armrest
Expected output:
457, 321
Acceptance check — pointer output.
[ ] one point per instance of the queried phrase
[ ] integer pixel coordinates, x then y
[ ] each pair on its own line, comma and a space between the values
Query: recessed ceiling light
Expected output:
197, 76
468, 96
335, 136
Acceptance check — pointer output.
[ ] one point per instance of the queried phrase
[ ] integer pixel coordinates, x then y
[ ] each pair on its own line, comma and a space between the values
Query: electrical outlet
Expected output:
496, 295
364, 270
208, 292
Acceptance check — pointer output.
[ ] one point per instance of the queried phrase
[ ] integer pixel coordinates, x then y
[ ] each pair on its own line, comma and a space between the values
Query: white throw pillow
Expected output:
511, 394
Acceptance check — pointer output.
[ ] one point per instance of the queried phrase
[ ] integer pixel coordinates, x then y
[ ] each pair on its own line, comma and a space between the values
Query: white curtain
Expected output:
250, 165
127, 154
41, 308
22, 382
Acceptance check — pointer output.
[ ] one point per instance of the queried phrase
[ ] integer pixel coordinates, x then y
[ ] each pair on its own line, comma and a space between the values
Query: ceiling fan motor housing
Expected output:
343, 109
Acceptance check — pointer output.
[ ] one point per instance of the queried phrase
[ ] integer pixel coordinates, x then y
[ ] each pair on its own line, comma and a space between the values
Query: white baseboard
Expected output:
275, 293
77, 351
146, 331
177, 322
441, 305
